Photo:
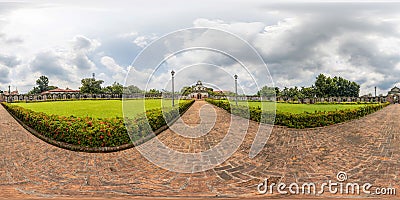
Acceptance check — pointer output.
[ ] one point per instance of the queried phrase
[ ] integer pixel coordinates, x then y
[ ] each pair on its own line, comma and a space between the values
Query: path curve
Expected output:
366, 149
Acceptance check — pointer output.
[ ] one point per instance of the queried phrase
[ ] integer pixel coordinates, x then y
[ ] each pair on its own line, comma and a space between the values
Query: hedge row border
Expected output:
278, 125
77, 148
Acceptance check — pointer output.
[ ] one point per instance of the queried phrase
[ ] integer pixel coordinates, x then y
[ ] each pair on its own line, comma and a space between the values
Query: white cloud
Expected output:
118, 72
144, 40
82, 43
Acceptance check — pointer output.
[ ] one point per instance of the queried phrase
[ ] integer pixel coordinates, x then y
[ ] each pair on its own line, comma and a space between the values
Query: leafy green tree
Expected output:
35, 90
132, 89
186, 90
267, 91
277, 91
307, 92
335, 87
115, 88
42, 85
91, 86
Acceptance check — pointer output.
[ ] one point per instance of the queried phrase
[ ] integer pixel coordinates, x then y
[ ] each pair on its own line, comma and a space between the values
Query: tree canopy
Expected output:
42, 85
335, 87
115, 88
91, 86
323, 87
132, 89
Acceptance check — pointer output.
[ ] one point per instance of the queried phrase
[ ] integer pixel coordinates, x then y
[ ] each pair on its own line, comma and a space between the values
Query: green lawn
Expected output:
113, 108
96, 108
300, 108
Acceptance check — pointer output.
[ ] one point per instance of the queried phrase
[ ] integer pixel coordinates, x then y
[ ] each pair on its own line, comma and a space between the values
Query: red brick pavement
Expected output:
367, 149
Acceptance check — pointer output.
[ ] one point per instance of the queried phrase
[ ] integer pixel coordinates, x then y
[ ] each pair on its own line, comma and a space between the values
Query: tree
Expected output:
335, 87
277, 91
308, 92
42, 85
35, 90
267, 91
186, 90
132, 89
115, 88
153, 93
91, 86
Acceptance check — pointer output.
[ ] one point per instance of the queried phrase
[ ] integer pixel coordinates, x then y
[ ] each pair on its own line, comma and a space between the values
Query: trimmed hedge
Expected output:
300, 121
91, 132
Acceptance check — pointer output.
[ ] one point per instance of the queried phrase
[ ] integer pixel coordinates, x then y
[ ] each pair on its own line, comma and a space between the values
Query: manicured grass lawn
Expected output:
113, 108
96, 108
301, 108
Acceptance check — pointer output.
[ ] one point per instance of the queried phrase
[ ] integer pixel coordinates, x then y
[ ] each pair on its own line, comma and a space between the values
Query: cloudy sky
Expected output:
70, 40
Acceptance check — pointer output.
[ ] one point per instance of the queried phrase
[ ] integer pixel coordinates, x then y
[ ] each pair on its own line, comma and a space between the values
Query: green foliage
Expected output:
42, 85
132, 89
186, 90
335, 87
323, 87
268, 91
115, 88
91, 132
91, 86
301, 120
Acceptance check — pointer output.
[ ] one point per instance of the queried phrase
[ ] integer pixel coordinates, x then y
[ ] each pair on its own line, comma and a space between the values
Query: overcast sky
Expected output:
70, 40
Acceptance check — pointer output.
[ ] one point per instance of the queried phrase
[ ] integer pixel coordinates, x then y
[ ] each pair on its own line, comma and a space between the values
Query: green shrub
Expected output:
303, 120
91, 132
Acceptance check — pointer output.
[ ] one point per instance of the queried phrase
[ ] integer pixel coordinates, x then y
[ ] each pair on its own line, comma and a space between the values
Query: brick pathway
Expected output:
367, 149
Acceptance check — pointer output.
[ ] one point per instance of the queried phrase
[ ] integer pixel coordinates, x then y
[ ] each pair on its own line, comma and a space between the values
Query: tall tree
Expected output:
335, 87
42, 83
91, 86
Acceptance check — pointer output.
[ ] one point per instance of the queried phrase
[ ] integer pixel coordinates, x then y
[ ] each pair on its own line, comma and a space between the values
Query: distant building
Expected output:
199, 91
394, 91
60, 91
393, 95
15, 92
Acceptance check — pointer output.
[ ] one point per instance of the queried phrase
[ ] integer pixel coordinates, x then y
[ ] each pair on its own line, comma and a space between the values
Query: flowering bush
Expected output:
91, 132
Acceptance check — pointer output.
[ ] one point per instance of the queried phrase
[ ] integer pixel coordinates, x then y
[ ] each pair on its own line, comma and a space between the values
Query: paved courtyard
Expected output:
368, 150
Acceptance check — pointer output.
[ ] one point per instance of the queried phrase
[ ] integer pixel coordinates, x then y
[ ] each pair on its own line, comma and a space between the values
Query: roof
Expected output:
394, 90
58, 90
12, 92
